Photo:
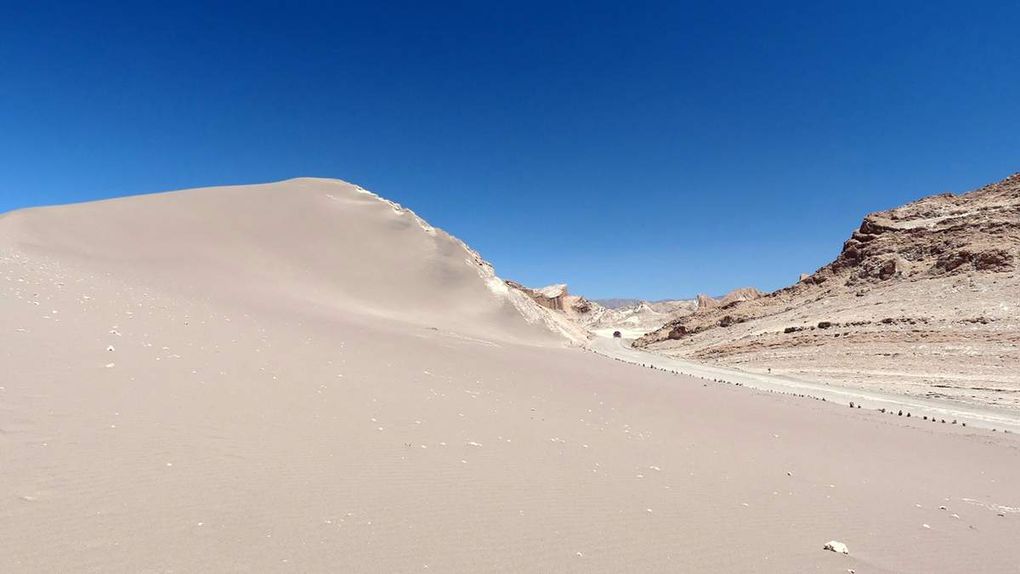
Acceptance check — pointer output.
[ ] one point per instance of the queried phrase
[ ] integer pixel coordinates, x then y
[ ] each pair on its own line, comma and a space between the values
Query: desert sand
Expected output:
303, 377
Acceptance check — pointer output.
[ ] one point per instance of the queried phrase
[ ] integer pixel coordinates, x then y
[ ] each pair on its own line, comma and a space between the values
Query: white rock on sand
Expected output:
837, 547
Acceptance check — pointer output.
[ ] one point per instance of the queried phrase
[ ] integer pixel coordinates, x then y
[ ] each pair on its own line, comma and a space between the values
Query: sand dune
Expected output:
306, 241
300, 377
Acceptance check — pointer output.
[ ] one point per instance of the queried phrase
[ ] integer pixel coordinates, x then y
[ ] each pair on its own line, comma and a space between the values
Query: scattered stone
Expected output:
835, 546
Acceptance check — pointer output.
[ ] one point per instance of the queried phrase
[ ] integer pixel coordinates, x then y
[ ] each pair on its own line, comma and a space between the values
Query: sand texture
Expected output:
302, 377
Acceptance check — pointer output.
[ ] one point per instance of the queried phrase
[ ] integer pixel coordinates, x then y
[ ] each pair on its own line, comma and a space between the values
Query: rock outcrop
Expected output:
741, 294
631, 317
935, 236
836, 546
641, 317
557, 298
551, 297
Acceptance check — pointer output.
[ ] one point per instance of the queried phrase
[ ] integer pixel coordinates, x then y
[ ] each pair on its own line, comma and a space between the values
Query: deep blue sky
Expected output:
630, 149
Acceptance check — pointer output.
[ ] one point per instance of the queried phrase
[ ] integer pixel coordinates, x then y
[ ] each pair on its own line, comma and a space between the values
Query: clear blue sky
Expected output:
631, 149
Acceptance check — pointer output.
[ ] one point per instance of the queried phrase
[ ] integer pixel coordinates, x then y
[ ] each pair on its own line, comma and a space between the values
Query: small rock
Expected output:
838, 547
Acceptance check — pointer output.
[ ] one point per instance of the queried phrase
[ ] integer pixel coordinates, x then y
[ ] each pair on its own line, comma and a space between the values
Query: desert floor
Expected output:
176, 412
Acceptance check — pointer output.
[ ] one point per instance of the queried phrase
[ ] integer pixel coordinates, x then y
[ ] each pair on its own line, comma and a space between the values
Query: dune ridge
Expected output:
300, 238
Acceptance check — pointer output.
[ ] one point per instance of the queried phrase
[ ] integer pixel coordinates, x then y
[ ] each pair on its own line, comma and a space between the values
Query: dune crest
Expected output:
304, 241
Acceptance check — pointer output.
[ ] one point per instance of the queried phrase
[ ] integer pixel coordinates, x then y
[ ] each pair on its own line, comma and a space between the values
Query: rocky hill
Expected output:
616, 303
924, 298
641, 317
742, 294
631, 317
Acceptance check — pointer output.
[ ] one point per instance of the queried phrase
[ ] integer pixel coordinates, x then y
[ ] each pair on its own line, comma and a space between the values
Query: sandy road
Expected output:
983, 417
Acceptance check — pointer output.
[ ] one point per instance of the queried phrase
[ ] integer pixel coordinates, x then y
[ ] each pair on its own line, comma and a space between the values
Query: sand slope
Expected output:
260, 380
303, 241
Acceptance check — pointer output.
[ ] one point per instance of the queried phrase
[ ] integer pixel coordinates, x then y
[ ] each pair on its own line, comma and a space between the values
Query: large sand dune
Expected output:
312, 242
300, 377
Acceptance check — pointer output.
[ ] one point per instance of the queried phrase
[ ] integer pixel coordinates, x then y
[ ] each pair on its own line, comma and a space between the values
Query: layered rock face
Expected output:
925, 295
938, 235
555, 297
